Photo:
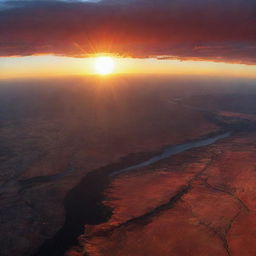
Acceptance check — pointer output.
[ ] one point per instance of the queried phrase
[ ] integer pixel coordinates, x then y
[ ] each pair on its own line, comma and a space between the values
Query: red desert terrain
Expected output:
199, 202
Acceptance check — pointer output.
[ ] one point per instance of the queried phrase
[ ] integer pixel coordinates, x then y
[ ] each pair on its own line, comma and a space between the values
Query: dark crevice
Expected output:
241, 203
145, 218
229, 227
213, 231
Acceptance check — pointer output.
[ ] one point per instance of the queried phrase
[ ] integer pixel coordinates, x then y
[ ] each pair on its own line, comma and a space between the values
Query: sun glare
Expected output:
104, 65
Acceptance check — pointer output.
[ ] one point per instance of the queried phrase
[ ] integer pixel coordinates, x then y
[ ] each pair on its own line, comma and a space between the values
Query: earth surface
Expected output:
62, 140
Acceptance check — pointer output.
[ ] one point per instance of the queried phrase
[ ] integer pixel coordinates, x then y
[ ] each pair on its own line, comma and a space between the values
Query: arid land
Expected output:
56, 137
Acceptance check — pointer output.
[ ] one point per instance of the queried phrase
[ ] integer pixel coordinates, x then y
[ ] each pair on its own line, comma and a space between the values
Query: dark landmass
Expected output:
53, 133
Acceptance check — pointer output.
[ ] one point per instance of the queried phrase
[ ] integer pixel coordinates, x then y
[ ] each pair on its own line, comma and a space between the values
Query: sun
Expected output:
104, 65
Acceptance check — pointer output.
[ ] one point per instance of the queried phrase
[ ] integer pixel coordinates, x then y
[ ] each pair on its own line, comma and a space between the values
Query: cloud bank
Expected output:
218, 30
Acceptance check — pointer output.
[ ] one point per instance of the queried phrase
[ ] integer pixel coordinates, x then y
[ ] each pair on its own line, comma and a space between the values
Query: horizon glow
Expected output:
50, 65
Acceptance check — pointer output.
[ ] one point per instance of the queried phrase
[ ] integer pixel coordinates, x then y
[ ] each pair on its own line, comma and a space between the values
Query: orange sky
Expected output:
49, 65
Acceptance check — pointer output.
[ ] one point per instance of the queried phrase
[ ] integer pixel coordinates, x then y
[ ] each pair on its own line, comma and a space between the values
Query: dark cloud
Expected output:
219, 30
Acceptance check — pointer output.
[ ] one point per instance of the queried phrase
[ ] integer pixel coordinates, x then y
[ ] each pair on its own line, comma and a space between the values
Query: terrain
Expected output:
62, 138
199, 202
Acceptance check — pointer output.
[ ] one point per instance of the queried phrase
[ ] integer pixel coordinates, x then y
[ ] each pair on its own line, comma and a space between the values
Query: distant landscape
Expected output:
78, 127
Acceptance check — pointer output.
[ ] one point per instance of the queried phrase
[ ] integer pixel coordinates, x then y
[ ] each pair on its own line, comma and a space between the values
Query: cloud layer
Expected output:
219, 30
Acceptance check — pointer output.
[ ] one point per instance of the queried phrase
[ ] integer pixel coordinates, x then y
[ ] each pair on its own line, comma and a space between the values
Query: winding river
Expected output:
173, 150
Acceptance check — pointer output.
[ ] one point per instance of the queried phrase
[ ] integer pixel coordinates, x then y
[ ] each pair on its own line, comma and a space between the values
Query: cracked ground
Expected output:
200, 202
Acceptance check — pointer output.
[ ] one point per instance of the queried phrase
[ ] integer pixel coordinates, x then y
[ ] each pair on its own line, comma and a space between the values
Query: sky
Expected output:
40, 37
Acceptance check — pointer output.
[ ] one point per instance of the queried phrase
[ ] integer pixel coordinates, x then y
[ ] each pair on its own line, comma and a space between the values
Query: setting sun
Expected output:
104, 65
